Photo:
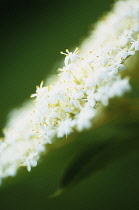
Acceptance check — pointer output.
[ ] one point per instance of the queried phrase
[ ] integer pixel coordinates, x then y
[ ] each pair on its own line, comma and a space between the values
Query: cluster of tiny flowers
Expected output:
89, 78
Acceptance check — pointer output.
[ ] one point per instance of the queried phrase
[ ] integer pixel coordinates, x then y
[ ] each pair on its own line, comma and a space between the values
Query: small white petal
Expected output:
33, 162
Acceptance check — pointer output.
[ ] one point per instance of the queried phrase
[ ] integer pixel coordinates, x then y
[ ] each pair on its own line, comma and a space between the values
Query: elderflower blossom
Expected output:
89, 78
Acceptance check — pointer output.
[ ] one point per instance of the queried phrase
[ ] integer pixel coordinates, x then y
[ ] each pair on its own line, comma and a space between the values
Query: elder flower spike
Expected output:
87, 80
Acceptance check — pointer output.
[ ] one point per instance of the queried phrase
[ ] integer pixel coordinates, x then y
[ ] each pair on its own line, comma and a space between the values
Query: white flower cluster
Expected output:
89, 78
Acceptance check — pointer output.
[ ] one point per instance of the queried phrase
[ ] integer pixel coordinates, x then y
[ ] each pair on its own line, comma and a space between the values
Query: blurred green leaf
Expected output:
99, 155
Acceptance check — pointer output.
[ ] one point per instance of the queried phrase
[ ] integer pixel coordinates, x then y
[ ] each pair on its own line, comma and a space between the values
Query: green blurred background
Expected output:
32, 35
